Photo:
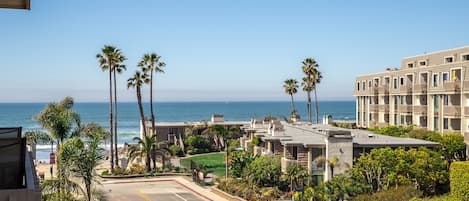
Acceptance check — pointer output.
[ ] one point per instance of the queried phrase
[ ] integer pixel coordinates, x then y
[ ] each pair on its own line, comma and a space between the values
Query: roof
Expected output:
180, 123
16, 4
316, 135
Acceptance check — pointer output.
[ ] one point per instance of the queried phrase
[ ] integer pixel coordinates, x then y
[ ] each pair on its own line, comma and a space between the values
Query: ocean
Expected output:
21, 114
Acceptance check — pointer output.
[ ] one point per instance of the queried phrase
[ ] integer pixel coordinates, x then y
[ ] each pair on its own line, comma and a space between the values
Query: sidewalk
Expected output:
185, 182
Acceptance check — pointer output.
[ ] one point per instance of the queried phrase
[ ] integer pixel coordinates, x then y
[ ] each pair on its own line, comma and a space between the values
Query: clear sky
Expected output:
216, 50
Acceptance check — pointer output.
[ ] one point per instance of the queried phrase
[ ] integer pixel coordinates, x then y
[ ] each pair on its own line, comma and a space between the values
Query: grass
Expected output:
215, 162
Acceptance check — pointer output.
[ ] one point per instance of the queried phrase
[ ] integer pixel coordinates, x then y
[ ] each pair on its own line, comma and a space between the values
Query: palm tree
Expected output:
111, 60
225, 133
149, 63
143, 148
291, 87
296, 174
313, 76
119, 69
137, 81
321, 160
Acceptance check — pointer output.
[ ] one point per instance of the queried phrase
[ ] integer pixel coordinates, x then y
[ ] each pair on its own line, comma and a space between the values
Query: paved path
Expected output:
164, 189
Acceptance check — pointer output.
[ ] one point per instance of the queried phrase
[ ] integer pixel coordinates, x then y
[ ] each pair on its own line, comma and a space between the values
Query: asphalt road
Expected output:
150, 191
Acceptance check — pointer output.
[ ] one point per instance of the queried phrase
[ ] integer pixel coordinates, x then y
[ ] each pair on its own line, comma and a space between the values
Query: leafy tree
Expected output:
453, 147
238, 161
137, 82
198, 141
291, 87
149, 63
264, 171
224, 133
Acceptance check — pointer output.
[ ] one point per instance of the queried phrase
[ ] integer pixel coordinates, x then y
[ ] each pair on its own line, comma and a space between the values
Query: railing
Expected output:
421, 88
287, 162
373, 107
420, 109
405, 108
452, 86
383, 108
454, 111
405, 88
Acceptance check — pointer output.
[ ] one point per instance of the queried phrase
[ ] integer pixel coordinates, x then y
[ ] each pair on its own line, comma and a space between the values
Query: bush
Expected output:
401, 193
198, 141
459, 178
256, 141
119, 171
176, 150
136, 169
263, 171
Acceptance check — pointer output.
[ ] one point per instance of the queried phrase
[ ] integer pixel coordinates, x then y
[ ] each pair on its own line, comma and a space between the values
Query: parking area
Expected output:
154, 191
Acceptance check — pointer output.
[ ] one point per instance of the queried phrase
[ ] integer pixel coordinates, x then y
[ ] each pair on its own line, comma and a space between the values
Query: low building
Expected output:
314, 146
18, 180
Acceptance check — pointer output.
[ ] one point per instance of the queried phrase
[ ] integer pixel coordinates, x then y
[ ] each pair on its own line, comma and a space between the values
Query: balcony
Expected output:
452, 111
421, 88
466, 111
405, 88
420, 109
383, 89
452, 86
405, 108
287, 162
383, 108
373, 108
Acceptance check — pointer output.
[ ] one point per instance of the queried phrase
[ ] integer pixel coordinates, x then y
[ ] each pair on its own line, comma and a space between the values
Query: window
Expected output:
423, 63
465, 57
445, 77
402, 81
395, 119
295, 153
370, 101
395, 83
395, 102
364, 86
369, 84
371, 116
358, 86
435, 124
436, 102
402, 119
402, 100
449, 59
445, 123
445, 99
272, 147
410, 65
435, 80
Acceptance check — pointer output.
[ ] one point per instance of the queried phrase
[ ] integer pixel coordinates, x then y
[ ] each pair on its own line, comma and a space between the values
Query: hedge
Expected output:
459, 177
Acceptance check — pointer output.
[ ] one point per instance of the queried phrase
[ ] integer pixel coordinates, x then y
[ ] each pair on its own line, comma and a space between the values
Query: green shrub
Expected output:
263, 171
256, 141
198, 141
176, 150
136, 169
401, 193
459, 178
105, 173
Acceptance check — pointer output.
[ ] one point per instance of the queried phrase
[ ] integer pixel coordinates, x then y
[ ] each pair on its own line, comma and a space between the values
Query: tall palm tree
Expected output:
313, 76
110, 59
291, 87
119, 69
149, 63
307, 85
225, 133
137, 81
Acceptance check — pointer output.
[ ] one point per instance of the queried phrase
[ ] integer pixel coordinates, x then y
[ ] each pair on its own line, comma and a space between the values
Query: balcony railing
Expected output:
373, 108
453, 111
421, 88
420, 109
405, 88
452, 86
287, 162
405, 108
383, 108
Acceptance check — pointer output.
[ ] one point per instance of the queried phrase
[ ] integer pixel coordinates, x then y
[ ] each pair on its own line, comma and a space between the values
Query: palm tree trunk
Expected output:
309, 108
316, 104
110, 120
226, 160
151, 104
292, 103
147, 163
115, 120
142, 116
88, 191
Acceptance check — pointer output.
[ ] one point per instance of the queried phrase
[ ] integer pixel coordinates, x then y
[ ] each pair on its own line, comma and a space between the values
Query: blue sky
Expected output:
216, 50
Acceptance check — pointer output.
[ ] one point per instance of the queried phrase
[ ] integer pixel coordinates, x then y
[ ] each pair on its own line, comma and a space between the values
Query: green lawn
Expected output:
215, 162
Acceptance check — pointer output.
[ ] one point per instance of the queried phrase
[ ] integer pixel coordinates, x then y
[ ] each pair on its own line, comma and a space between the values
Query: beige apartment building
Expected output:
430, 91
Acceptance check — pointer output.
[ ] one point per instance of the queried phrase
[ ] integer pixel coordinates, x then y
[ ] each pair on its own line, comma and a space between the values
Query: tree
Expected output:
224, 132
453, 147
291, 87
238, 161
143, 148
119, 69
296, 175
149, 63
264, 171
110, 59
59, 119
309, 68
137, 82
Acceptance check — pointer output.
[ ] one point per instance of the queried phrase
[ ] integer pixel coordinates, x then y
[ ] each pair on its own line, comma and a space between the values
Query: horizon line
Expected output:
199, 101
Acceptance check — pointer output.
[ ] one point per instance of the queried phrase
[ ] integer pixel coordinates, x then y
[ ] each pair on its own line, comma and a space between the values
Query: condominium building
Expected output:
430, 91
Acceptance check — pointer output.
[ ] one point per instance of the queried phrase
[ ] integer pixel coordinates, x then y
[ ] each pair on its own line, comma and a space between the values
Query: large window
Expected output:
435, 80
465, 57
445, 77
295, 152
445, 123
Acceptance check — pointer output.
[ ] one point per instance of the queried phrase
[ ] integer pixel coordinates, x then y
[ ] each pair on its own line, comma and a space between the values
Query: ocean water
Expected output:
21, 114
